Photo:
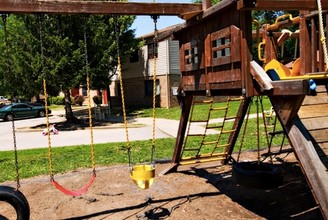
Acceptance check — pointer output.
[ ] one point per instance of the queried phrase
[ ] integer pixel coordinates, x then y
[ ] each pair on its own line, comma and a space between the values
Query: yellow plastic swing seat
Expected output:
143, 175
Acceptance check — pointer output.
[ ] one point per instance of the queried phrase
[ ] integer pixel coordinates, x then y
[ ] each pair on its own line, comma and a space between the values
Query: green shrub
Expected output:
97, 99
58, 100
78, 99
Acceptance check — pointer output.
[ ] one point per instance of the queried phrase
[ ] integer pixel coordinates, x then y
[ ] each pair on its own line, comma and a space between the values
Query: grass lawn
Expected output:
35, 162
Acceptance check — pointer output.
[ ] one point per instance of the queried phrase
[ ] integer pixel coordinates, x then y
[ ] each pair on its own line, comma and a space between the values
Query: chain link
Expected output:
92, 145
119, 72
48, 129
155, 17
45, 98
4, 20
16, 154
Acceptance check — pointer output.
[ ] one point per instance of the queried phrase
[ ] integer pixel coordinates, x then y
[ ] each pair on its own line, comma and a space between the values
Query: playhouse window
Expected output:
220, 48
191, 56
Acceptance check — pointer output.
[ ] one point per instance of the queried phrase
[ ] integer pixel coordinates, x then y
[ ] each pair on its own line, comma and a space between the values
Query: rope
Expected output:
244, 131
258, 130
265, 125
322, 34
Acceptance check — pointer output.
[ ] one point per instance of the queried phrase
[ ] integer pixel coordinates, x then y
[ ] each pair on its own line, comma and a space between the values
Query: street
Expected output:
32, 138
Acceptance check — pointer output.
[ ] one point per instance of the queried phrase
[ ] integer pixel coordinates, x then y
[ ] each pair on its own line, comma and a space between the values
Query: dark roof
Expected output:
163, 33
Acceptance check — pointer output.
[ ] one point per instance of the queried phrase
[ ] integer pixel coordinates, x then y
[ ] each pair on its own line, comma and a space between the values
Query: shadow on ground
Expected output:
292, 200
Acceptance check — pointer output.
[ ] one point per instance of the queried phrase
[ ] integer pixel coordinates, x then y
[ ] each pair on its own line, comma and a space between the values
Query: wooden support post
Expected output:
206, 4
279, 5
185, 103
315, 172
186, 106
305, 45
245, 20
286, 107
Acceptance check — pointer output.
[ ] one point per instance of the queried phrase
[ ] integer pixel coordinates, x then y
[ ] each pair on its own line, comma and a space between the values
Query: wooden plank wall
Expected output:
314, 116
210, 52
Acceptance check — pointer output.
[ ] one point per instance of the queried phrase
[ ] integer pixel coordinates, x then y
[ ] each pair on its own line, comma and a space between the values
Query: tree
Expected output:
17, 61
61, 38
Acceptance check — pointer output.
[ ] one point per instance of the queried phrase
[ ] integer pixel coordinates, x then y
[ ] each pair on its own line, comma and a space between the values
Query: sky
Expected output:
144, 24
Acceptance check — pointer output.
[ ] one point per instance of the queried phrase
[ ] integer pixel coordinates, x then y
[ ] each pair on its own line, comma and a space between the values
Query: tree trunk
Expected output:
68, 106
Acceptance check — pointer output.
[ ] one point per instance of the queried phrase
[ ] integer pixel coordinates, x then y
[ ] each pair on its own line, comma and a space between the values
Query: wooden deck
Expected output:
314, 116
308, 137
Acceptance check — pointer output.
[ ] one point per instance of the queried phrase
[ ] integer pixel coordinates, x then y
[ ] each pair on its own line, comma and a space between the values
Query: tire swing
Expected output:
9, 194
17, 200
142, 174
256, 174
92, 147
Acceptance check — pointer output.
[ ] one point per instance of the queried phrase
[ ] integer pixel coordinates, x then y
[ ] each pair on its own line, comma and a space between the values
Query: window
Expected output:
221, 42
84, 91
149, 87
191, 56
134, 57
152, 51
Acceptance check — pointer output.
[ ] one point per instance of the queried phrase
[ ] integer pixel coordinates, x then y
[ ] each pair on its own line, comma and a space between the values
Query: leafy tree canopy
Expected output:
63, 49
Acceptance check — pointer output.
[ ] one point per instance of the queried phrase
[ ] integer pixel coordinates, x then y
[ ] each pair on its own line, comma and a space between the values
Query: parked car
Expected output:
21, 110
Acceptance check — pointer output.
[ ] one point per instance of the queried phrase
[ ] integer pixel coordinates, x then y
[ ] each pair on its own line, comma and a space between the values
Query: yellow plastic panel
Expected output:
143, 175
281, 69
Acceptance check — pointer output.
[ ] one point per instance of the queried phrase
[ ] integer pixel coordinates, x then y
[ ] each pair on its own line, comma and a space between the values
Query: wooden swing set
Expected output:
216, 61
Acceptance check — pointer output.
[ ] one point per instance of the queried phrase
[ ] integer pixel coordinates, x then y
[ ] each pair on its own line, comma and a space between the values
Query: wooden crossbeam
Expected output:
95, 7
281, 4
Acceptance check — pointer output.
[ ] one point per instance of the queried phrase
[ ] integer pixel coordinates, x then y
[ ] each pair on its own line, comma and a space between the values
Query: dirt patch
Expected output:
199, 192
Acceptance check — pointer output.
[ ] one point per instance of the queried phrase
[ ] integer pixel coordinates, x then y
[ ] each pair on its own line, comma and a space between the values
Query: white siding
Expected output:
167, 61
161, 61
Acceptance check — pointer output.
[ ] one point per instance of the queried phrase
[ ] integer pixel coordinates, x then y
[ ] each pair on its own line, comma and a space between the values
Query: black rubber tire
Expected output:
42, 114
17, 200
254, 175
9, 117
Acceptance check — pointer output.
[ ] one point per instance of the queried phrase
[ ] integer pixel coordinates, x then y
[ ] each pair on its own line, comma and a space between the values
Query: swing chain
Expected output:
89, 98
154, 17
45, 98
16, 155
119, 72
4, 20
48, 129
